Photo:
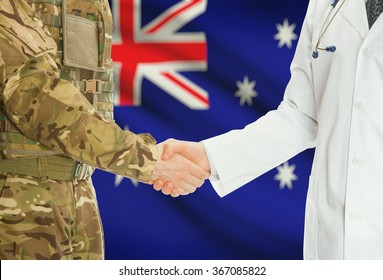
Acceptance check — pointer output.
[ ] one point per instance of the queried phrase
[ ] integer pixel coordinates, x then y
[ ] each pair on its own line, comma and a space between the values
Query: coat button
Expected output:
358, 106
357, 161
366, 52
354, 216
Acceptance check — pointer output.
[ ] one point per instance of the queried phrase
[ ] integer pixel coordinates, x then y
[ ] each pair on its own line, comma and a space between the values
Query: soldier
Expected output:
56, 120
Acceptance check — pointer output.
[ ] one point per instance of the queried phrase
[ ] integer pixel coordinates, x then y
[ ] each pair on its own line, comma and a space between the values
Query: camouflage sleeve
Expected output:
53, 112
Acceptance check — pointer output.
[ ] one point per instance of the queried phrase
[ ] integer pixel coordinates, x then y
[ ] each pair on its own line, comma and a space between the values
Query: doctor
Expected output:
334, 102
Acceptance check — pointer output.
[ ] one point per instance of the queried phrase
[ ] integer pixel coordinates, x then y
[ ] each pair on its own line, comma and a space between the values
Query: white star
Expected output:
285, 34
246, 91
285, 176
118, 179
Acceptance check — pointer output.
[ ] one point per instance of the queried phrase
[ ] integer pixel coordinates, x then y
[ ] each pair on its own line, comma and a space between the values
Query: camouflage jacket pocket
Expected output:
81, 43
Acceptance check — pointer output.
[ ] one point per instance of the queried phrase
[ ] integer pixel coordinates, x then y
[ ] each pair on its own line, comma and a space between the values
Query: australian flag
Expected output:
190, 70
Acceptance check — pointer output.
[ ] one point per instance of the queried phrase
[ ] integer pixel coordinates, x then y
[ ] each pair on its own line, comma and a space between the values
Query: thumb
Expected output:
170, 149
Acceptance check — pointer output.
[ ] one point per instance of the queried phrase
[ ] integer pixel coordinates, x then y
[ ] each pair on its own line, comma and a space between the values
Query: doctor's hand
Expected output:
184, 174
194, 151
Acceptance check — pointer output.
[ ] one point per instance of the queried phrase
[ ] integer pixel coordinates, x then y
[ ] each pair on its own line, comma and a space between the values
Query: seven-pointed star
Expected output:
286, 176
246, 91
285, 34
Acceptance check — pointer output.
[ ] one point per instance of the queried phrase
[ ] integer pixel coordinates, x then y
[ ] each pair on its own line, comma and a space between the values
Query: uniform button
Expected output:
366, 52
358, 106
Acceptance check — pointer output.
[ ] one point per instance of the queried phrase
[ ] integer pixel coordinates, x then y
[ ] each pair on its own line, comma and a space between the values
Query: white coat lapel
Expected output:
355, 14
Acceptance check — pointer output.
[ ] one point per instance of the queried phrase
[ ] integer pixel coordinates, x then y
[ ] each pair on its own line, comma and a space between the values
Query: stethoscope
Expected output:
329, 18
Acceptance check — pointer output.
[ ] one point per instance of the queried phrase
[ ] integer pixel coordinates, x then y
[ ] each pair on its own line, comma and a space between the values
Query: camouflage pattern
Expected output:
39, 98
50, 108
40, 106
45, 220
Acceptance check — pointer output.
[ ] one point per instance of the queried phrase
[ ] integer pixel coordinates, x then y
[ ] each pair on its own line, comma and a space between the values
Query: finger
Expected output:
185, 188
174, 192
178, 192
199, 172
169, 184
182, 192
150, 182
190, 184
167, 189
158, 184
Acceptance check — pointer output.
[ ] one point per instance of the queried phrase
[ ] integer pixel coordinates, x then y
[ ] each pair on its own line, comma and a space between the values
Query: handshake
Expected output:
181, 168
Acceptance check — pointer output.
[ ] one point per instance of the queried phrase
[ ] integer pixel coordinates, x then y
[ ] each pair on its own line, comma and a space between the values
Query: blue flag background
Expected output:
262, 220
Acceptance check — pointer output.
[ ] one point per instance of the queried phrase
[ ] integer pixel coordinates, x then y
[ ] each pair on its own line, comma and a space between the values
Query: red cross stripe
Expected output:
158, 52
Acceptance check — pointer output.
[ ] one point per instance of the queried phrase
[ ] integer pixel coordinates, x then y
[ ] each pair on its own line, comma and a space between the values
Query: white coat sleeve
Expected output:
240, 156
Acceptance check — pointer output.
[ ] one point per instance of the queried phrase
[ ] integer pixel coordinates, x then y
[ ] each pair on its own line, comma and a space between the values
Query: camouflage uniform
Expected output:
56, 120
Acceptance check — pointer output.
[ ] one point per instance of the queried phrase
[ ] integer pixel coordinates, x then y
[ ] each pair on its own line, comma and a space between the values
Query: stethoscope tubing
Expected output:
327, 22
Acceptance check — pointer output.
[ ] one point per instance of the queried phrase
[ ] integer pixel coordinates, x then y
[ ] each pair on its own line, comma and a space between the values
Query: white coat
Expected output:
334, 102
